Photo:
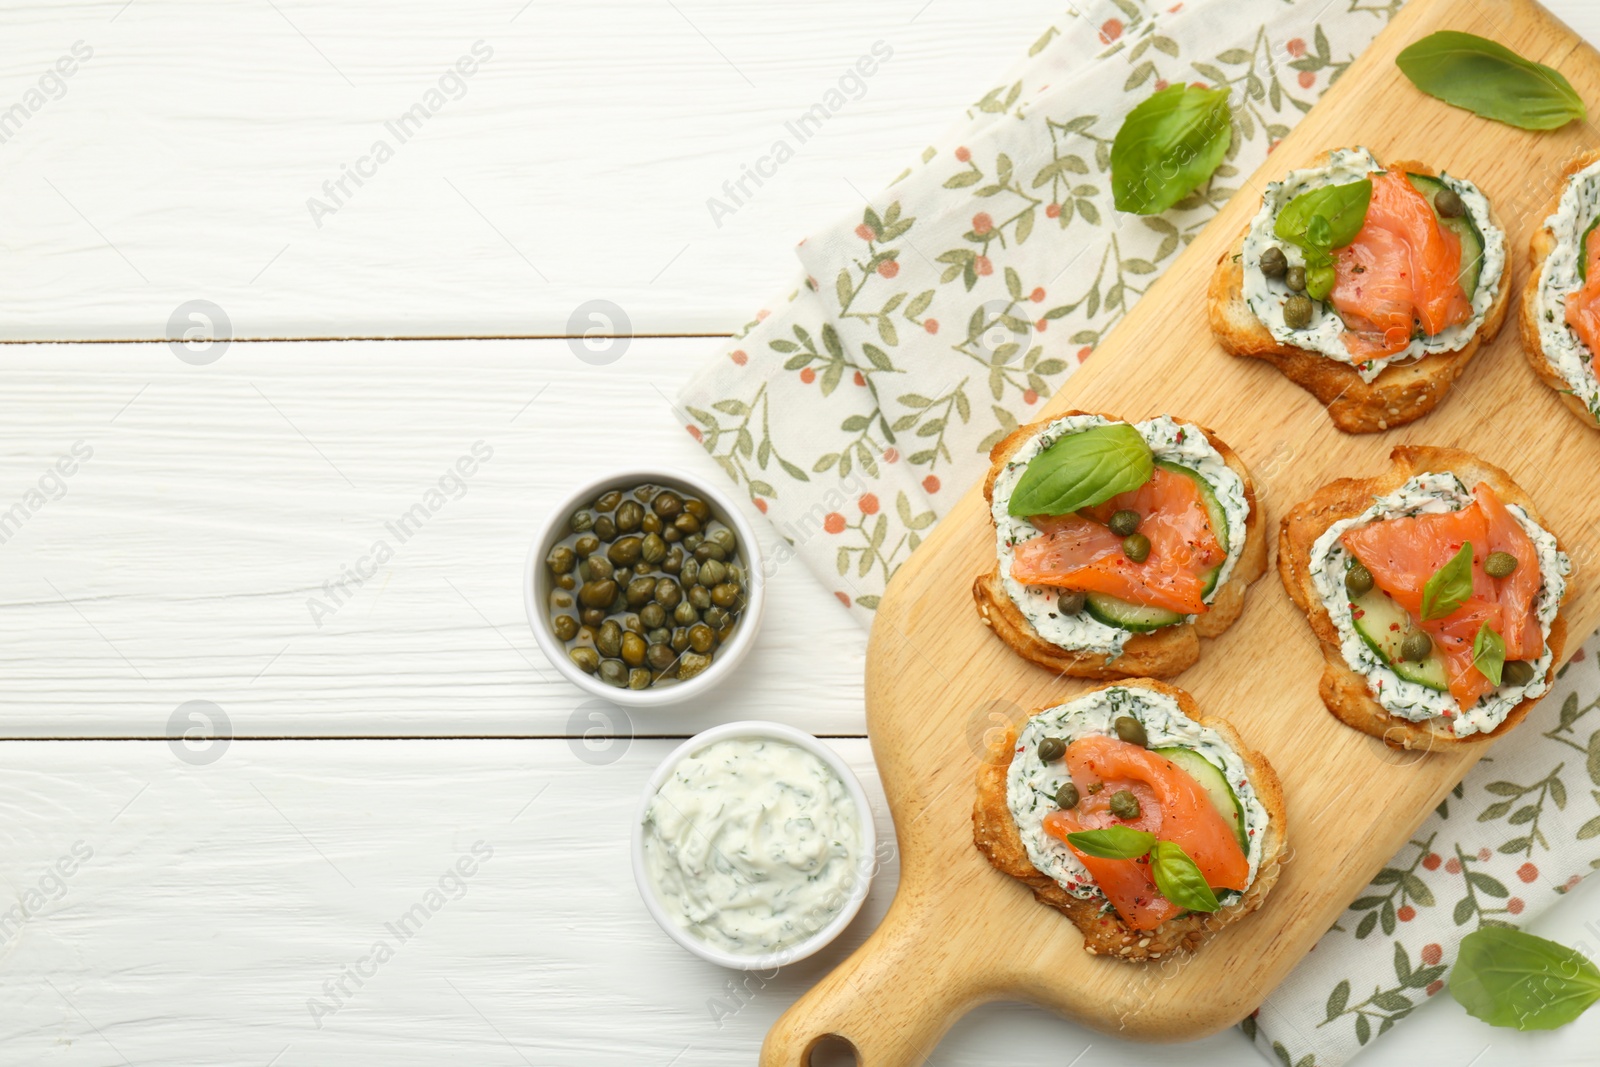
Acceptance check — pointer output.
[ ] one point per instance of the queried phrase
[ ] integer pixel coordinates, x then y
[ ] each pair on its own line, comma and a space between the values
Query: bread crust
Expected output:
1342, 689
1540, 246
1401, 393
995, 833
1160, 653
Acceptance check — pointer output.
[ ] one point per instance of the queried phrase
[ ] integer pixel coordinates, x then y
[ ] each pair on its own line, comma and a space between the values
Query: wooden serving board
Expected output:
959, 932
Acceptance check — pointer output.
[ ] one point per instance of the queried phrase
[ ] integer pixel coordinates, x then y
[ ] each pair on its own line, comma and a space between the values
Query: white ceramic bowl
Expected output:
537, 584
866, 863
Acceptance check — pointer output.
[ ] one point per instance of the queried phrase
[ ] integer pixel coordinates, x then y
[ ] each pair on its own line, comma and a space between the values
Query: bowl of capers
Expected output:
645, 587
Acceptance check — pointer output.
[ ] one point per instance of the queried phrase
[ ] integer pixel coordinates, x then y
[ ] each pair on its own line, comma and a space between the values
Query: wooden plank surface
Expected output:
933, 670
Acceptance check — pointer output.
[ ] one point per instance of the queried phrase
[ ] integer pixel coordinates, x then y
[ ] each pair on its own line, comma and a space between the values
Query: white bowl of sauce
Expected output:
753, 845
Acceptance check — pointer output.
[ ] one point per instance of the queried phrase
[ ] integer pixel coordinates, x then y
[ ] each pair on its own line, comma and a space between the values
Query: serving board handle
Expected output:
894, 998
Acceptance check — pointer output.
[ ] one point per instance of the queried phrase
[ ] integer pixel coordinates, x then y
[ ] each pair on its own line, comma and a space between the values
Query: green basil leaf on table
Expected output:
1489, 653
1488, 79
1342, 208
1179, 879
1449, 587
1168, 146
1509, 978
1113, 842
1083, 469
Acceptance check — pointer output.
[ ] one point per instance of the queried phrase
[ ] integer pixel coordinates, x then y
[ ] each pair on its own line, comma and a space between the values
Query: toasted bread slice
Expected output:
995, 833
1160, 652
1540, 247
1402, 393
1343, 690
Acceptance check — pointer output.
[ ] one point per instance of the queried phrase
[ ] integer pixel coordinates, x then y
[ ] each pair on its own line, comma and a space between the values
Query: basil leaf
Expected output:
1320, 279
1449, 587
1508, 978
1488, 653
1343, 209
1168, 146
1319, 234
1488, 79
1083, 469
1179, 880
1112, 842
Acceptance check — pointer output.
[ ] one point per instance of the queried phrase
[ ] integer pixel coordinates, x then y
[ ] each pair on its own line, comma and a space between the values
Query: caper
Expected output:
699, 596
592, 617
624, 575
614, 672
625, 551
1500, 564
712, 572
710, 550
609, 639
1415, 646
560, 600
685, 614
1297, 312
653, 615
587, 659
639, 592
679, 641
567, 581
1516, 672
1136, 547
668, 593
1123, 522
619, 603
609, 501
1130, 730
692, 541
646, 493
659, 655
658, 635
1124, 805
1067, 796
565, 627
1448, 203
698, 508
597, 569
735, 574
1052, 749
686, 524
692, 663
1295, 279
652, 549
561, 559
715, 617
639, 678
587, 545
1070, 603
1357, 580
605, 528
723, 537
581, 520
597, 594
725, 631
651, 524
586, 635
701, 637
671, 535
667, 504
672, 562
633, 647
689, 573
1274, 262
629, 516
725, 595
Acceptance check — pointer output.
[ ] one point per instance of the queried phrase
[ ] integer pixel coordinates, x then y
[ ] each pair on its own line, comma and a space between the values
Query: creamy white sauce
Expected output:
1571, 358
1031, 783
1169, 440
1266, 296
752, 845
1433, 494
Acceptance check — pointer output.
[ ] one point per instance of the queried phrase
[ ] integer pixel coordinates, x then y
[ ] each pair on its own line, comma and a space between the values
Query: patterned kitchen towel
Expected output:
922, 329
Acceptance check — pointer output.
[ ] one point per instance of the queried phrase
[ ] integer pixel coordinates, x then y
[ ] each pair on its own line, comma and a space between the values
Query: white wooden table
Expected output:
225, 902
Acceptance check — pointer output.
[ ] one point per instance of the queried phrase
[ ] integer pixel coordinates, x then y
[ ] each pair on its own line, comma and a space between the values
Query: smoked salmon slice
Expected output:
1081, 552
1402, 554
1403, 269
1583, 306
1172, 805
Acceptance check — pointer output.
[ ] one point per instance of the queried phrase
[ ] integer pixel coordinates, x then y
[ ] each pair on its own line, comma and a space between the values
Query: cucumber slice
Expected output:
1219, 518
1383, 624
1114, 612
1463, 227
1216, 785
